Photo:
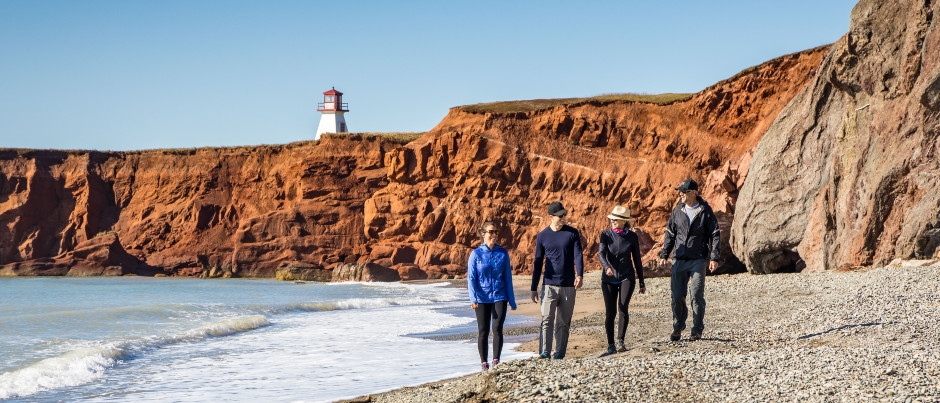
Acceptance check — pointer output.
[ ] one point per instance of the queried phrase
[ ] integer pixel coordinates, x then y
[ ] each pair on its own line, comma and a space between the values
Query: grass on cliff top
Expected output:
537, 104
10, 153
394, 137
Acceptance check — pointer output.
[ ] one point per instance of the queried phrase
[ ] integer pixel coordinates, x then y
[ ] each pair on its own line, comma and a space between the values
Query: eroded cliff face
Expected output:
242, 211
848, 174
507, 168
354, 207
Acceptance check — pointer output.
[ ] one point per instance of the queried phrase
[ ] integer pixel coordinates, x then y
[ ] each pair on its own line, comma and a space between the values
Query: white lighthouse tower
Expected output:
332, 109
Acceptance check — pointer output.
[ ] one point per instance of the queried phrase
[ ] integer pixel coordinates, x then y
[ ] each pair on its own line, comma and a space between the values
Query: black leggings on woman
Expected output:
496, 311
617, 298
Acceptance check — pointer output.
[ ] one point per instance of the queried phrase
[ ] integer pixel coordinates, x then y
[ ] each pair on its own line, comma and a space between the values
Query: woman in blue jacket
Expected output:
489, 280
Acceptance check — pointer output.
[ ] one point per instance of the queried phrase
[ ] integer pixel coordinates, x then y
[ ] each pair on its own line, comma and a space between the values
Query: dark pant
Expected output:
688, 276
496, 311
617, 299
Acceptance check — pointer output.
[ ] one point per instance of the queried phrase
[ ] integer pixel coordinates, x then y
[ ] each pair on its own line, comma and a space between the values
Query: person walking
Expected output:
489, 280
558, 247
692, 236
622, 268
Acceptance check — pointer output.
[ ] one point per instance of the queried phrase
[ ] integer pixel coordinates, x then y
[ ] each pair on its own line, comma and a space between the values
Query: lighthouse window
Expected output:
328, 98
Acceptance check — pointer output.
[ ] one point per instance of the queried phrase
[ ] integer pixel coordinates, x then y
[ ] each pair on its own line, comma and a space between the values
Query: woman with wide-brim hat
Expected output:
622, 270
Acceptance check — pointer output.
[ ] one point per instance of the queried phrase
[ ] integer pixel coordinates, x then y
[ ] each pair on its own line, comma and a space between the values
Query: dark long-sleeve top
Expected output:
489, 276
620, 252
561, 253
692, 239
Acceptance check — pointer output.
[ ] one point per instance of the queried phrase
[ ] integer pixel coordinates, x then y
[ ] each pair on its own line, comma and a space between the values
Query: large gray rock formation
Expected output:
847, 176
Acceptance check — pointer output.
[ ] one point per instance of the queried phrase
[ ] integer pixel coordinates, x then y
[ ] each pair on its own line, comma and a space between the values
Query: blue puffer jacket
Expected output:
489, 276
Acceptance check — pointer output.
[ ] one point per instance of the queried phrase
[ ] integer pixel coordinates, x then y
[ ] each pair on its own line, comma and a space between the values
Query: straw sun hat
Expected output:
620, 213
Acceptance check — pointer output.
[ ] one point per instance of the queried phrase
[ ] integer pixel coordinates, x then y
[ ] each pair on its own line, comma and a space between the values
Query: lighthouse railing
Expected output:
331, 106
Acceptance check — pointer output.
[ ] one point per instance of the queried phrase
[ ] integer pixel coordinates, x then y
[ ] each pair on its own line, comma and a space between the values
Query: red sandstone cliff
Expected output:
354, 206
240, 211
507, 167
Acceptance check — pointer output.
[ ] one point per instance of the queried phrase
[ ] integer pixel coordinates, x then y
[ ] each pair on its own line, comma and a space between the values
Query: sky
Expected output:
124, 75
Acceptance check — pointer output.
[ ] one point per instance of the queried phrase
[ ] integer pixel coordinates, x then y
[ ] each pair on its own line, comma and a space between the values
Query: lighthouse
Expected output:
332, 109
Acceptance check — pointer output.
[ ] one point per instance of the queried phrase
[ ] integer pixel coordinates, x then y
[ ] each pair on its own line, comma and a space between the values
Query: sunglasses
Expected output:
492, 231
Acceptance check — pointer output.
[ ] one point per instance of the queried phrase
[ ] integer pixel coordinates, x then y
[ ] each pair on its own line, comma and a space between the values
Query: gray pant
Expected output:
688, 276
561, 300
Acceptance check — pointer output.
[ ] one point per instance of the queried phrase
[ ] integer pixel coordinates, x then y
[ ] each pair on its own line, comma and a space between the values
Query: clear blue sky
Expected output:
129, 75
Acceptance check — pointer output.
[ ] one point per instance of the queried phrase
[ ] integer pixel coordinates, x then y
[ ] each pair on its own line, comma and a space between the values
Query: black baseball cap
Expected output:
687, 185
556, 209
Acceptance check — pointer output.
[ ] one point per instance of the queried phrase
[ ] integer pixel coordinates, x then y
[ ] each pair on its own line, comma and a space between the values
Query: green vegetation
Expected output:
30, 152
394, 137
537, 104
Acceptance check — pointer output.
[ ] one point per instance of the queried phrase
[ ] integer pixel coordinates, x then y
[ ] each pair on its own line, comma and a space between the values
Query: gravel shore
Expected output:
867, 336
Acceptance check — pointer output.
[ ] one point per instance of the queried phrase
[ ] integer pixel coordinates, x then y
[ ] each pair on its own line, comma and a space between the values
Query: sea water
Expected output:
182, 340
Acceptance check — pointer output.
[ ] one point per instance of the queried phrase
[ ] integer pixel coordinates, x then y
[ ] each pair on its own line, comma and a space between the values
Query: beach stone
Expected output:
840, 336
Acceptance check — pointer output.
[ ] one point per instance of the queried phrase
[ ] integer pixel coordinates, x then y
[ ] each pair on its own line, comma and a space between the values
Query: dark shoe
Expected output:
611, 349
484, 365
558, 357
544, 355
620, 347
695, 336
675, 336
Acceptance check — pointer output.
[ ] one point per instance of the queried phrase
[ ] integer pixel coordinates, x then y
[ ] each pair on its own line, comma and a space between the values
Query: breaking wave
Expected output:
81, 366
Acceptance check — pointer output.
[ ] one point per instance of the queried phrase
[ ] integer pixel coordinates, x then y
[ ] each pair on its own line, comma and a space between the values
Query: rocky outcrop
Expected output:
99, 256
847, 175
364, 272
300, 271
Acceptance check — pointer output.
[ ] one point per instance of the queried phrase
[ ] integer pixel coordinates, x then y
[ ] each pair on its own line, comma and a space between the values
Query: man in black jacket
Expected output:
692, 236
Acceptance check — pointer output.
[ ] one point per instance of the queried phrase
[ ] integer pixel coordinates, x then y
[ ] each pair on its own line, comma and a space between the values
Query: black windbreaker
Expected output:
622, 254
696, 240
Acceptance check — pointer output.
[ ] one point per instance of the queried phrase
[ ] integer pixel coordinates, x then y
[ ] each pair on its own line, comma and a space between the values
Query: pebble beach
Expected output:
864, 336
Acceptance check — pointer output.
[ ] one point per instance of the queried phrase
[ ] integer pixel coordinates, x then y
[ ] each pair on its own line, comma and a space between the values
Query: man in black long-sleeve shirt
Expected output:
558, 246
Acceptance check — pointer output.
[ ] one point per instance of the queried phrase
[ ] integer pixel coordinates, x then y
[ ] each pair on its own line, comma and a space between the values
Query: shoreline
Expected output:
588, 313
586, 339
589, 302
870, 335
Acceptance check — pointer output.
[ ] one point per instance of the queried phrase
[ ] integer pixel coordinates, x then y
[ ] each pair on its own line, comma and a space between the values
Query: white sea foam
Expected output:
232, 326
159, 340
85, 365
71, 369
405, 295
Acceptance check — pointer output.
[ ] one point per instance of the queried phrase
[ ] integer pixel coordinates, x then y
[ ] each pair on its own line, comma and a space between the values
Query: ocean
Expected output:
120, 339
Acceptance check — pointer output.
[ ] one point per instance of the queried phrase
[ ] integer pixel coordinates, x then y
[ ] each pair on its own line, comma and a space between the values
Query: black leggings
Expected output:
496, 311
617, 298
